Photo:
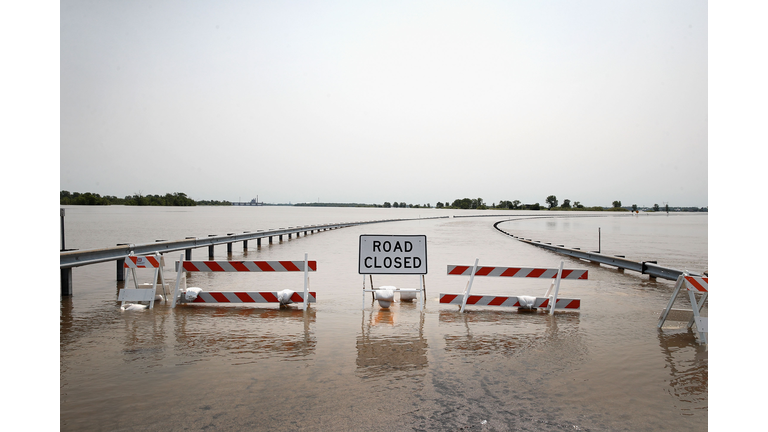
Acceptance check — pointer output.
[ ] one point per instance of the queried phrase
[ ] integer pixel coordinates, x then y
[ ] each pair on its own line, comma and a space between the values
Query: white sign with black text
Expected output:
393, 254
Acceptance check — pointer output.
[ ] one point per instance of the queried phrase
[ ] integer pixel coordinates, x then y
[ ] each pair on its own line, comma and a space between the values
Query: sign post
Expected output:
394, 255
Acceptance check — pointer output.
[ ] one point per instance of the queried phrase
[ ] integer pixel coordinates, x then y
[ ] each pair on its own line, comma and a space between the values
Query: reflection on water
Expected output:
144, 337
243, 333
687, 362
384, 347
507, 333
549, 343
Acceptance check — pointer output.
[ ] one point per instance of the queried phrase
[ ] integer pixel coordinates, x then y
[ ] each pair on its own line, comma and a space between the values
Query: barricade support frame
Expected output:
692, 284
133, 262
421, 290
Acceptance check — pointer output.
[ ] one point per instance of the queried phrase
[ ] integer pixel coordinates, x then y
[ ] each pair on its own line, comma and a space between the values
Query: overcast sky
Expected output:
407, 101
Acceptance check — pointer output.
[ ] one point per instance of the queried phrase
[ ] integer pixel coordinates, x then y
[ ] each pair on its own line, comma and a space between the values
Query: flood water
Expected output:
339, 367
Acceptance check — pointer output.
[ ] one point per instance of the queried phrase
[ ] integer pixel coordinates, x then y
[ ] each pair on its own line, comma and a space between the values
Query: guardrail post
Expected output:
270, 239
66, 281
120, 270
245, 242
188, 252
229, 245
210, 248
63, 247
645, 267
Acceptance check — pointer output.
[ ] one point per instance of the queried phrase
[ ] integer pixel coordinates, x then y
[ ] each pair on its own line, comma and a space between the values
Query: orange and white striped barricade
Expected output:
548, 301
197, 296
133, 262
694, 285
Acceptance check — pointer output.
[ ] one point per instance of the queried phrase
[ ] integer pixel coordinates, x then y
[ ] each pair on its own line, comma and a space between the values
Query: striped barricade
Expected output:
527, 272
694, 285
510, 301
248, 266
136, 294
548, 301
282, 297
144, 262
246, 297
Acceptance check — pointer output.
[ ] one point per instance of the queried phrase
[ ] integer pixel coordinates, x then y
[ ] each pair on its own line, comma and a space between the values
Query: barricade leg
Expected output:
469, 286
423, 297
700, 305
176, 290
696, 317
557, 289
135, 280
162, 278
306, 283
675, 293
154, 287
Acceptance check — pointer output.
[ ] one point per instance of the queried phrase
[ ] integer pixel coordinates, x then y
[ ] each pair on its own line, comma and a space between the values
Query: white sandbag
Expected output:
133, 306
384, 296
192, 292
526, 302
284, 297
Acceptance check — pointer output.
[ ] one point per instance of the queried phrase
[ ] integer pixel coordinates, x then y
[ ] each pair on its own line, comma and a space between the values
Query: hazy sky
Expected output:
406, 101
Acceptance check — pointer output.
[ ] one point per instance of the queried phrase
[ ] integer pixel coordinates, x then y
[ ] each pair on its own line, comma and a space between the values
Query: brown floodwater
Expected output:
339, 367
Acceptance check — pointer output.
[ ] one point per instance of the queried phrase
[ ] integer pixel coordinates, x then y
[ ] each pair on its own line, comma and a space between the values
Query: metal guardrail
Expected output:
69, 259
650, 268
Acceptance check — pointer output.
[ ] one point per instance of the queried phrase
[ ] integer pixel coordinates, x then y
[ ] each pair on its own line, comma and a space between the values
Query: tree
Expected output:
655, 207
516, 204
387, 204
464, 203
566, 203
552, 201
396, 204
616, 204
634, 207
439, 205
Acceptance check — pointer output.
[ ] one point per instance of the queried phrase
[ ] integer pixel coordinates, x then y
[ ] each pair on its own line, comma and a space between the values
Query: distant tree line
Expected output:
181, 199
552, 203
174, 199
479, 204
319, 204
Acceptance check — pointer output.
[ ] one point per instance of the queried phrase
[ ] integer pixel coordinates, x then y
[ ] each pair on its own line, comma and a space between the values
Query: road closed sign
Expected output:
393, 254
